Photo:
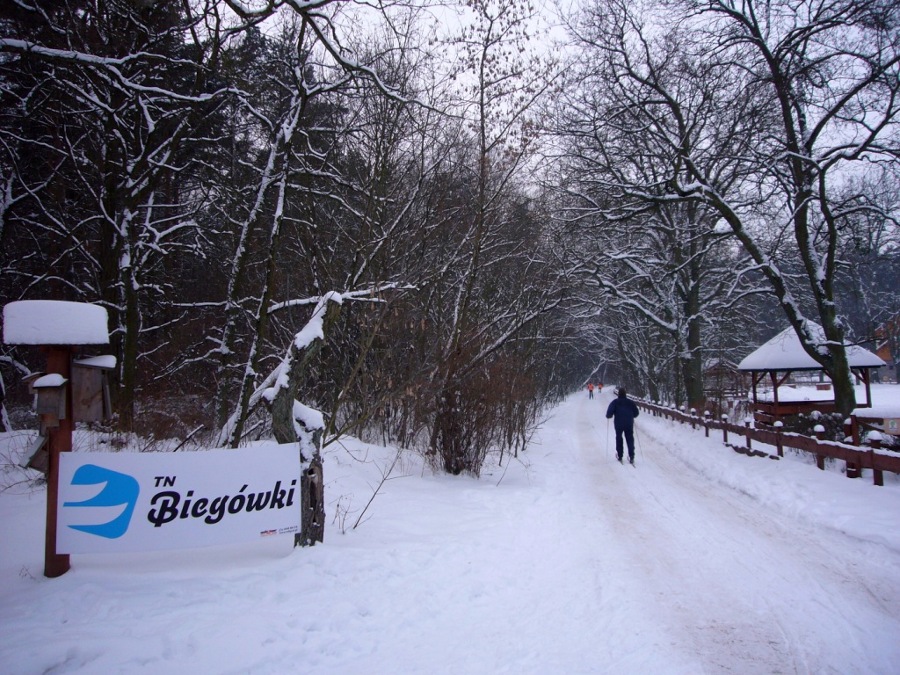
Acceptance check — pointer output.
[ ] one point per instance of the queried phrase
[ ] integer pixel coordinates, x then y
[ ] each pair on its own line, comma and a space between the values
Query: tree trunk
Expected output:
842, 380
297, 363
692, 360
312, 505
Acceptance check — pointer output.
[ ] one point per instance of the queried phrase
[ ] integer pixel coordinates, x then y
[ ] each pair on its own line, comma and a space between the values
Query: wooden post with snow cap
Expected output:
59, 440
819, 431
874, 439
779, 445
853, 469
747, 421
57, 327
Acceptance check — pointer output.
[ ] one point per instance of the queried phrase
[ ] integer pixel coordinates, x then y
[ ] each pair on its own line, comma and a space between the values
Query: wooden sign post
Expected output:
57, 327
59, 361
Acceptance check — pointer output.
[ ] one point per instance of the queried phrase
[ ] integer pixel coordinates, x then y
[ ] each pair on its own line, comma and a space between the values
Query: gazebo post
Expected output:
866, 377
756, 381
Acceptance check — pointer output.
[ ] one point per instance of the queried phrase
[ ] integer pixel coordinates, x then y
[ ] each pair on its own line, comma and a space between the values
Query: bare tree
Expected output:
107, 106
758, 111
502, 82
652, 267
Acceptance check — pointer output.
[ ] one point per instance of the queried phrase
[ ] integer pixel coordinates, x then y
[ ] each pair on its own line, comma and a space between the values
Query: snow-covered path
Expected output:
697, 561
722, 583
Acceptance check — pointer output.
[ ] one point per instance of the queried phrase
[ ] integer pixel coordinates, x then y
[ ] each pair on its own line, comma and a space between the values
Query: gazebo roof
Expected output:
784, 352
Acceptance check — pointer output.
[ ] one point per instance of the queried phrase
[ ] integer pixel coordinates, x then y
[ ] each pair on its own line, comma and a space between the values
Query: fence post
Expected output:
853, 469
848, 431
820, 436
706, 422
747, 432
875, 444
779, 425
725, 428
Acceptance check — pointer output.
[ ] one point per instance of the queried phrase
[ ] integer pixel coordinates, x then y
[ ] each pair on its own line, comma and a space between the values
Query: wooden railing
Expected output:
857, 458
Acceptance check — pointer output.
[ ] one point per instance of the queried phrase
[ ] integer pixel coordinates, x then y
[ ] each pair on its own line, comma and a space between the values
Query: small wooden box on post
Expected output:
58, 328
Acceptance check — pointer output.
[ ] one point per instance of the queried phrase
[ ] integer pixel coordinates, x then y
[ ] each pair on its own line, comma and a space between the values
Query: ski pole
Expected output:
640, 446
607, 440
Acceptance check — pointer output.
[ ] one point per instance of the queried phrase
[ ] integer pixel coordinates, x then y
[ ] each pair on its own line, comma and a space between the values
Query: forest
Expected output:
485, 205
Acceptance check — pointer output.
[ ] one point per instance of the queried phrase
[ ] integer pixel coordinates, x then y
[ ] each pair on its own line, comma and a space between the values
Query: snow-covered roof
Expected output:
107, 362
709, 364
885, 411
54, 322
784, 352
50, 380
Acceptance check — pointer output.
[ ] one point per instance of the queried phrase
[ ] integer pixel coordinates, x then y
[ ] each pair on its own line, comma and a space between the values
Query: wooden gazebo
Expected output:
783, 355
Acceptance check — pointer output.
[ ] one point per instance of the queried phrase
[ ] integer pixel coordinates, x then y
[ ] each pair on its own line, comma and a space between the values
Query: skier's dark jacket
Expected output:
622, 411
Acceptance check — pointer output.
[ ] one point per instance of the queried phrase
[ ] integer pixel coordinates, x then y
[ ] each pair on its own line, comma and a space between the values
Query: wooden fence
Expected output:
857, 458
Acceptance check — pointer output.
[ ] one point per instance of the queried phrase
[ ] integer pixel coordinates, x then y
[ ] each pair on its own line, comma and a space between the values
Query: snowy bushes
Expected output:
805, 424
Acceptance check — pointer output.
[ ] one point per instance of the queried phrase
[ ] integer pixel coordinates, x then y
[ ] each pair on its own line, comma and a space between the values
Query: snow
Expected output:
106, 361
314, 328
883, 399
699, 560
51, 380
784, 352
879, 411
309, 417
54, 322
787, 394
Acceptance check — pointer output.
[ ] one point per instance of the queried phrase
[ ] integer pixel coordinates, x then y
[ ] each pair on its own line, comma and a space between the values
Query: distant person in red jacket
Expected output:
590, 390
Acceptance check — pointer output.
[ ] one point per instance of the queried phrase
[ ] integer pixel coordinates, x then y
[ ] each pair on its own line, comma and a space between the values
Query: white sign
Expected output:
114, 502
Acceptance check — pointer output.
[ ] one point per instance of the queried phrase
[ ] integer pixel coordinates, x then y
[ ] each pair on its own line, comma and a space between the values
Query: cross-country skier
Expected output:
590, 390
622, 411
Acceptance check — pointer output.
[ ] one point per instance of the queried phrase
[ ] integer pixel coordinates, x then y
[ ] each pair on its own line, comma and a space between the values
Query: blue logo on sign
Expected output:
120, 489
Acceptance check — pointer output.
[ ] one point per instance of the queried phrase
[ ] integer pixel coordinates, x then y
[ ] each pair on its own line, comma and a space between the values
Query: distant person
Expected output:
622, 411
599, 388
590, 390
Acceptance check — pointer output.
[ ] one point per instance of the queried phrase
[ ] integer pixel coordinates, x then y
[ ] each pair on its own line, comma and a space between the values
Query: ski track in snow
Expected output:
729, 594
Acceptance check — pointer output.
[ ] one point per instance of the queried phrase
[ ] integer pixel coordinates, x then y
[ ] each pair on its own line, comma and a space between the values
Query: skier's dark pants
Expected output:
629, 439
